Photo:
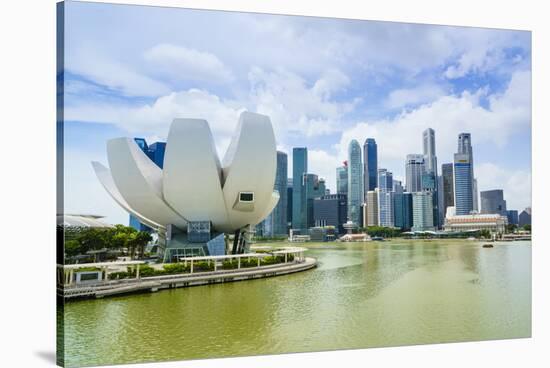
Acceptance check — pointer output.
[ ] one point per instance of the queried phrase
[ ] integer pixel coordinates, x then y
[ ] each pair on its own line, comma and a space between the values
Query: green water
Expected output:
361, 295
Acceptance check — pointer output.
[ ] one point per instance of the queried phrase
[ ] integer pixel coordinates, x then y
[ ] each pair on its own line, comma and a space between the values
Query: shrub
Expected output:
246, 263
228, 265
203, 266
119, 275
173, 268
270, 260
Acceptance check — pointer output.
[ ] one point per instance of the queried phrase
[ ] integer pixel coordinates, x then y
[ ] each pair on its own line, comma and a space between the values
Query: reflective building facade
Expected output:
355, 182
299, 168
370, 162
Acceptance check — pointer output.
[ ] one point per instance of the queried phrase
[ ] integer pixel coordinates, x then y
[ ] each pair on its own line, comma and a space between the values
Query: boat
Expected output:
377, 238
488, 245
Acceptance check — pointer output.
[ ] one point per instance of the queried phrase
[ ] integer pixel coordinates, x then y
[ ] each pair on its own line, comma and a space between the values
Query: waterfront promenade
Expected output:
100, 289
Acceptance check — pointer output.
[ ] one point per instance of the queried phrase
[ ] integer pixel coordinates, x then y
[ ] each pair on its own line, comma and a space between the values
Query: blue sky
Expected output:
129, 70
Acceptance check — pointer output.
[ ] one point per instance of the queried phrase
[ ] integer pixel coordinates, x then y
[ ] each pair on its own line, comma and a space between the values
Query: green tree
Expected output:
510, 228
72, 247
486, 234
527, 227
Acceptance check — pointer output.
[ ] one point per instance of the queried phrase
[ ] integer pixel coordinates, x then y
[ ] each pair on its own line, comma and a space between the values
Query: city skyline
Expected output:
380, 80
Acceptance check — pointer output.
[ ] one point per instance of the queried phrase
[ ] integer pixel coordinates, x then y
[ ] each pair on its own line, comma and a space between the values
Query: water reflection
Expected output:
361, 295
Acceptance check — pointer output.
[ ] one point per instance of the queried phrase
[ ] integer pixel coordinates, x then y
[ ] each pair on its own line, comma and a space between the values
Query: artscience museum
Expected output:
197, 201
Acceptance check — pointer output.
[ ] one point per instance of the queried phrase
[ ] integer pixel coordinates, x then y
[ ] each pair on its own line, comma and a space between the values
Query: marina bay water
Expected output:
361, 295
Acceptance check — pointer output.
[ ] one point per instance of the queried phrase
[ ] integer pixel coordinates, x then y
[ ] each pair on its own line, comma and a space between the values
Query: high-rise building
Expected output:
385, 208
155, 152
372, 208
430, 160
370, 162
428, 145
299, 168
385, 198
289, 195
331, 210
463, 183
464, 143
525, 217
492, 201
448, 187
398, 186
475, 195
342, 179
513, 217
314, 187
441, 212
355, 182
429, 184
402, 210
465, 148
279, 214
414, 168
422, 204
385, 180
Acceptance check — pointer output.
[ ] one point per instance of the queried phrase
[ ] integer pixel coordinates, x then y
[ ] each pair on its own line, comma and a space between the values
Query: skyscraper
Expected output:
397, 186
370, 162
355, 182
299, 168
465, 148
289, 194
448, 187
429, 184
465, 143
314, 187
372, 208
513, 217
463, 184
430, 160
428, 146
385, 180
492, 201
475, 195
279, 214
331, 210
385, 198
525, 217
402, 210
422, 211
414, 168
342, 179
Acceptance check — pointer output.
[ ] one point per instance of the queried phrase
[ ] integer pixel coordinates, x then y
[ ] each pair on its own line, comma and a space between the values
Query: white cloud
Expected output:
294, 106
483, 51
515, 183
506, 114
115, 75
181, 63
413, 96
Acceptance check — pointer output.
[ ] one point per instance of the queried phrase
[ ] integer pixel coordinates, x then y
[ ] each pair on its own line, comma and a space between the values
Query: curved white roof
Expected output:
82, 221
194, 185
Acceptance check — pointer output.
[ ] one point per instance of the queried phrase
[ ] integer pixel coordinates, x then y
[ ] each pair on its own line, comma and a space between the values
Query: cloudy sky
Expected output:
130, 70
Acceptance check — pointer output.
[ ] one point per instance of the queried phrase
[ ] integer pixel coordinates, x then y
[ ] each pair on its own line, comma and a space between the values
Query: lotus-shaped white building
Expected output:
195, 192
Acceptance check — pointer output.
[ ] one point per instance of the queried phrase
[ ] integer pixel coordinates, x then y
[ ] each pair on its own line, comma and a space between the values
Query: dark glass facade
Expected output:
447, 187
402, 210
370, 162
299, 168
463, 184
331, 210
513, 217
492, 201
